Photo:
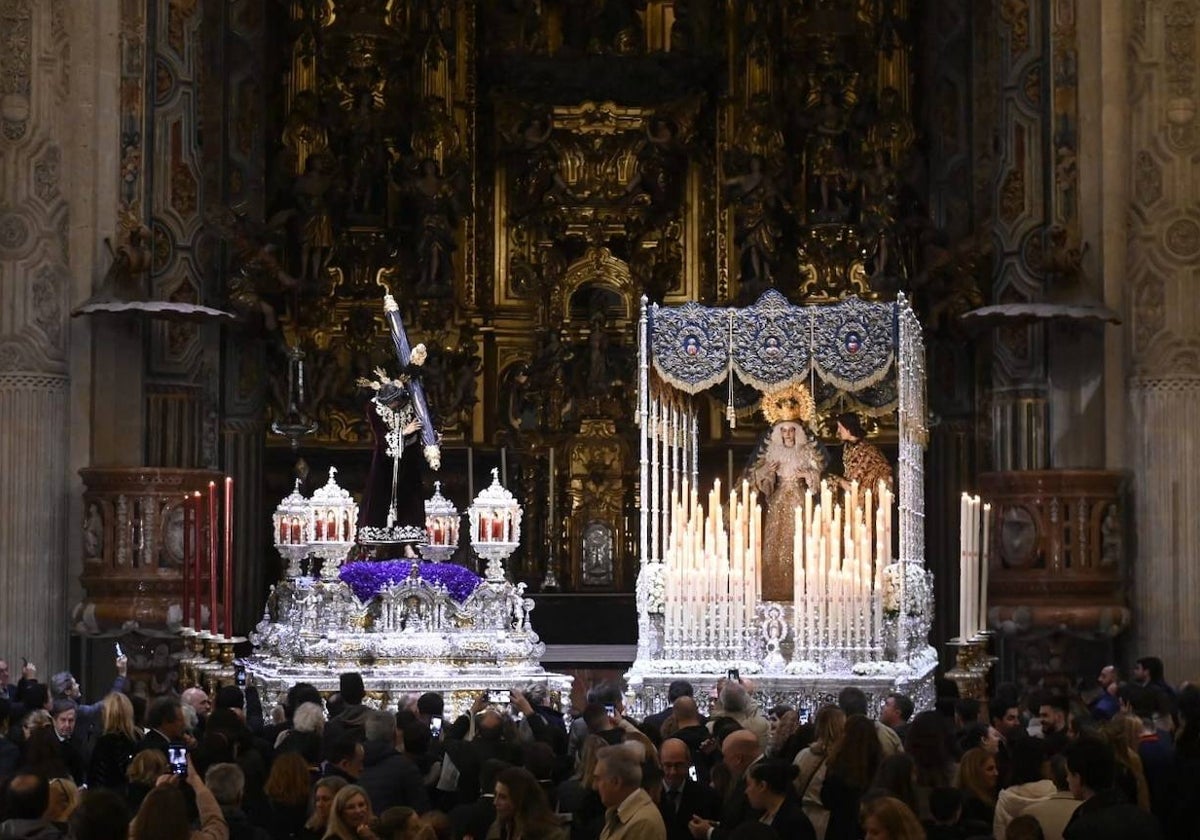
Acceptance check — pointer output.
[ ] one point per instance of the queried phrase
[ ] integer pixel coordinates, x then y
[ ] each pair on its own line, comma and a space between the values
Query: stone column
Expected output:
34, 294
1163, 325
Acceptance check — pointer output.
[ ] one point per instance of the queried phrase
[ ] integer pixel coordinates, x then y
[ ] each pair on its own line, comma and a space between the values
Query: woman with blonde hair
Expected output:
64, 797
887, 818
977, 779
114, 748
350, 817
1124, 733
324, 792
142, 774
812, 762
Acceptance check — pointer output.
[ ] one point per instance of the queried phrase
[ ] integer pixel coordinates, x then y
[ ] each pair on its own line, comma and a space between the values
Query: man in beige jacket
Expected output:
631, 814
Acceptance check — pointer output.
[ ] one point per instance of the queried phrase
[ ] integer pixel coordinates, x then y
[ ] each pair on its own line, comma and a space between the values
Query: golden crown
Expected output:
792, 402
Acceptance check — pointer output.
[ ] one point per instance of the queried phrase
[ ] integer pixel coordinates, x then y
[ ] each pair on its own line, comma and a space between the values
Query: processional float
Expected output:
862, 602
407, 625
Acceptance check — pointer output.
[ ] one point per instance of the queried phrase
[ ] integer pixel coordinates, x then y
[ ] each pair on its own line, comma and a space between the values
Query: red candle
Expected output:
320, 527
346, 526
194, 596
498, 530
331, 527
295, 530
187, 560
228, 557
212, 557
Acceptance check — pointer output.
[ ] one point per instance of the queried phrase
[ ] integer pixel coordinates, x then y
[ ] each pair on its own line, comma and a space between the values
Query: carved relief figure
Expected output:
660, 168
757, 226
830, 101
597, 555
93, 533
540, 179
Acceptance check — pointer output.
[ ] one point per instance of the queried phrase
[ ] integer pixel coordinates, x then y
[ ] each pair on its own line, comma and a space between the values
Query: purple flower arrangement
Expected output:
368, 577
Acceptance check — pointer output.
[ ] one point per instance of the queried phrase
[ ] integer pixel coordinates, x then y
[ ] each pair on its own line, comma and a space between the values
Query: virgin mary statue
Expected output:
788, 460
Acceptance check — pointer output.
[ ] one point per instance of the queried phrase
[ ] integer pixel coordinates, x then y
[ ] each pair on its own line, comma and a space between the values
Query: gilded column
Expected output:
34, 283
1163, 324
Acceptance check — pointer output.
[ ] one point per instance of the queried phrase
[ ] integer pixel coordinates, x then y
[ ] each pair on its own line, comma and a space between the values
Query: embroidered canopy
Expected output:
850, 344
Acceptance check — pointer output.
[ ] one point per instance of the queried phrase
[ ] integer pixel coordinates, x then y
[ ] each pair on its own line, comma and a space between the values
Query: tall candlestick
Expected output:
212, 557
504, 465
187, 561
470, 472
984, 562
228, 628
553, 505
195, 595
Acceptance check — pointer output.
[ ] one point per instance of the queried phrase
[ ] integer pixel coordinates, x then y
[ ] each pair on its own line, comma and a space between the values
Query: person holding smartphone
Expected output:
164, 812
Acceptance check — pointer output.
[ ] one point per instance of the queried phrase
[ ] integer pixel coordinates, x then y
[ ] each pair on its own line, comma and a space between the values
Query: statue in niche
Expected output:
437, 209
540, 179
311, 194
521, 405
597, 555
598, 353
366, 153
879, 186
757, 228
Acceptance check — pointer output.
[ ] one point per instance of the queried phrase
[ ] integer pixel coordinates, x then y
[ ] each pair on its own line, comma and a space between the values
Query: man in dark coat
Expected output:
683, 797
389, 777
1104, 812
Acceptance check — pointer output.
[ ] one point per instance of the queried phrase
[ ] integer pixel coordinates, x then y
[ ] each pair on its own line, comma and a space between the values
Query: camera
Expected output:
177, 756
804, 715
692, 773
498, 697
732, 675
435, 727
239, 675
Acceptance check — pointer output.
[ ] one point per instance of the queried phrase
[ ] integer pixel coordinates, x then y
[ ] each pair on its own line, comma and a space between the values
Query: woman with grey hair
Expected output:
305, 736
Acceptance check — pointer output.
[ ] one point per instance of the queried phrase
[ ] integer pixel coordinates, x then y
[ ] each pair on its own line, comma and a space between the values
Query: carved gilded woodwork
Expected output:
520, 175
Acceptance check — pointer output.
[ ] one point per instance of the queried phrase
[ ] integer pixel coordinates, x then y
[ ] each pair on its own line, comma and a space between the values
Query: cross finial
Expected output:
332, 472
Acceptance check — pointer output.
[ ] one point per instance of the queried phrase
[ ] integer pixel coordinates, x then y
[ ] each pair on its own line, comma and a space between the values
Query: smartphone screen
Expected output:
498, 697
610, 709
692, 773
239, 672
177, 756
732, 675
435, 727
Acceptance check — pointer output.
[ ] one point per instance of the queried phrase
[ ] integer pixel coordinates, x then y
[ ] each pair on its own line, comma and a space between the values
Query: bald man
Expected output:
740, 751
682, 797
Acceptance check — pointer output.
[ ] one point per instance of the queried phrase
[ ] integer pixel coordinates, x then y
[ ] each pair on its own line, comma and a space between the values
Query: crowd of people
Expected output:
1120, 760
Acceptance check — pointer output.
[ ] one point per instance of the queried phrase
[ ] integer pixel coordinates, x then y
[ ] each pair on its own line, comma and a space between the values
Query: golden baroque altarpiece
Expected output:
519, 174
